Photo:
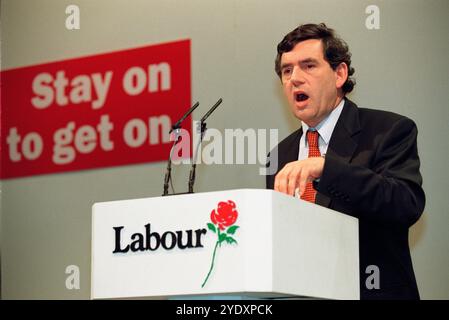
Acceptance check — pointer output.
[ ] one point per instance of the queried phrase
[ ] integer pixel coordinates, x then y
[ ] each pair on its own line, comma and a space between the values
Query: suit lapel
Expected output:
287, 151
291, 154
344, 141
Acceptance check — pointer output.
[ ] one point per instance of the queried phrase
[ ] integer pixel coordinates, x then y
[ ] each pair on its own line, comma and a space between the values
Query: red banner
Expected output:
99, 111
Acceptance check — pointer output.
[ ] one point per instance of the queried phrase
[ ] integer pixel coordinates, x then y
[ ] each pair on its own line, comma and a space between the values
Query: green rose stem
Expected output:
213, 257
212, 264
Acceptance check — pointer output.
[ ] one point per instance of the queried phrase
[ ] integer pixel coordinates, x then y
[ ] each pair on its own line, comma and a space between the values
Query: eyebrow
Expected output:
308, 60
304, 61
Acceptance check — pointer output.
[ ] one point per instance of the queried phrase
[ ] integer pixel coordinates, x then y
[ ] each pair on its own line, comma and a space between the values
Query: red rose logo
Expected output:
224, 216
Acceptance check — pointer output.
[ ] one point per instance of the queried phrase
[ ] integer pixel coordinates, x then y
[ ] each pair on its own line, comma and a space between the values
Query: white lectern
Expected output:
256, 243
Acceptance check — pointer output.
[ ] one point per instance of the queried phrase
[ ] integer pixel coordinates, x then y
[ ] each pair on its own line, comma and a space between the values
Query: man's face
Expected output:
310, 85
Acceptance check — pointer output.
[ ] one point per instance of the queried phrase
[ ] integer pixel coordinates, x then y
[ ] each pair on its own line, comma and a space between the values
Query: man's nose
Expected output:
297, 76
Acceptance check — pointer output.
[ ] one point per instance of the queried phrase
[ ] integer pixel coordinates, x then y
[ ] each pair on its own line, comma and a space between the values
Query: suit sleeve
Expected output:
390, 190
269, 179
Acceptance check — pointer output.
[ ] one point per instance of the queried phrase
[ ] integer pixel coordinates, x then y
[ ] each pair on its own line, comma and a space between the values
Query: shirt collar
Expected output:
327, 125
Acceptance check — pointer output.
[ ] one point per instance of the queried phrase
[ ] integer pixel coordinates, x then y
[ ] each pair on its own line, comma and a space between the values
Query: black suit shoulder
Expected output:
290, 140
382, 120
286, 151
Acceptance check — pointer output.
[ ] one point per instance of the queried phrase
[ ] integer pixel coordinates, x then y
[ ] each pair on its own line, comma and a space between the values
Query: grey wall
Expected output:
402, 67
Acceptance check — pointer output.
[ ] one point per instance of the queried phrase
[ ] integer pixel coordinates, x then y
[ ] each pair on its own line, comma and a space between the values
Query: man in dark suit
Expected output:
357, 161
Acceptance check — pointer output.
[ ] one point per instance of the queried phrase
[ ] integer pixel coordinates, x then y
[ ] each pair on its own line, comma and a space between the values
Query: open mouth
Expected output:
301, 97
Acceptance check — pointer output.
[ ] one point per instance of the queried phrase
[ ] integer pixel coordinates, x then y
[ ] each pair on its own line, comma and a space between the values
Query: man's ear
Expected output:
341, 74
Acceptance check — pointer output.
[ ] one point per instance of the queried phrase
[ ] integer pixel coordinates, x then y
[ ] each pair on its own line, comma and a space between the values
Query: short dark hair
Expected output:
335, 50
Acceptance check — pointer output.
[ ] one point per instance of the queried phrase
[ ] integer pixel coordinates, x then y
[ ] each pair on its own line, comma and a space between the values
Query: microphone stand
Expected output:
202, 127
177, 129
167, 177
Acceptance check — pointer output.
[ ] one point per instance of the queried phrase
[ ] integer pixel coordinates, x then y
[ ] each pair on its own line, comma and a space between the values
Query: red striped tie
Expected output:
314, 151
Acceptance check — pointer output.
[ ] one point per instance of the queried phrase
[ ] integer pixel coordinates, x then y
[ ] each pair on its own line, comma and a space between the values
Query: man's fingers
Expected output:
276, 182
293, 180
295, 175
281, 180
304, 177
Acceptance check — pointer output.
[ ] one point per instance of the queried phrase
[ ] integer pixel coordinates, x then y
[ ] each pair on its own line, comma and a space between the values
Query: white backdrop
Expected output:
401, 67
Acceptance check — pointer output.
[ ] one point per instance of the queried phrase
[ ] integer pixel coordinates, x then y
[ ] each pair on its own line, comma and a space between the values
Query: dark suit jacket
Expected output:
371, 172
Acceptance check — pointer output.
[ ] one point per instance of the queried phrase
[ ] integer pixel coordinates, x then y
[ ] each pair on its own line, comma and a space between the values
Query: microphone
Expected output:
202, 125
177, 125
211, 110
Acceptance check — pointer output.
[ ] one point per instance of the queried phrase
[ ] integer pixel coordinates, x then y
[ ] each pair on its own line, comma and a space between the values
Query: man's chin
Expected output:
305, 116
302, 110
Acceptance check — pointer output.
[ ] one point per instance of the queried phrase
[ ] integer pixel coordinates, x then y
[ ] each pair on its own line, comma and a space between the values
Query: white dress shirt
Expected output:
324, 128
